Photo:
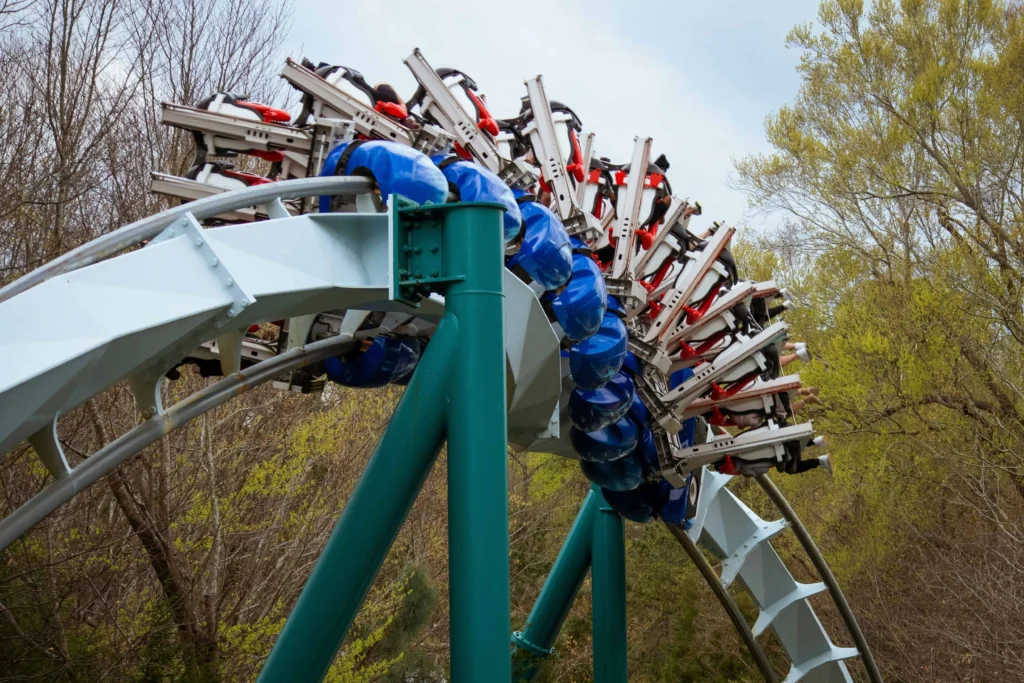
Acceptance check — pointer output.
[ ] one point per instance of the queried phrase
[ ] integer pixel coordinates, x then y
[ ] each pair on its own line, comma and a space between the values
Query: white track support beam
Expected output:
121, 316
738, 537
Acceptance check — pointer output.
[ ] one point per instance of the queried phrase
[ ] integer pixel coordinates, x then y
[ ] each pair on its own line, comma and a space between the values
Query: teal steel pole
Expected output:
478, 540
359, 543
608, 579
536, 641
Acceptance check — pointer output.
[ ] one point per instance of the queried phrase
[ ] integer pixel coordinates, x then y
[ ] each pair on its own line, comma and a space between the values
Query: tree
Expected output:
898, 172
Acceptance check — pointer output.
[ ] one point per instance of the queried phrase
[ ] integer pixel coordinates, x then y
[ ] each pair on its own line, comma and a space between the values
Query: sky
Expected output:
697, 77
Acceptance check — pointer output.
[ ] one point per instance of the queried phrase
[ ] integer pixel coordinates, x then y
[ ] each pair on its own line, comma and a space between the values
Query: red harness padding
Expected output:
247, 178
269, 114
695, 314
727, 466
718, 393
575, 169
689, 352
266, 155
486, 122
392, 109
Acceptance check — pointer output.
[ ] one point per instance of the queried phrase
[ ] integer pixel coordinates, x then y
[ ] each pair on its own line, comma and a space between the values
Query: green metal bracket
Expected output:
418, 266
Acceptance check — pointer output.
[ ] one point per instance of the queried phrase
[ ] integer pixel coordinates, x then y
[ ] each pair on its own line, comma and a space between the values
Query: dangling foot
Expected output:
809, 391
826, 464
803, 354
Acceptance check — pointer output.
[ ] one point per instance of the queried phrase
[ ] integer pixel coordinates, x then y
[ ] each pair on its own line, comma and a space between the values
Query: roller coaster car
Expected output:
788, 459
707, 269
242, 127
604, 192
382, 98
240, 107
221, 174
468, 96
762, 398
567, 129
733, 370
206, 358
658, 267
599, 195
752, 452
728, 315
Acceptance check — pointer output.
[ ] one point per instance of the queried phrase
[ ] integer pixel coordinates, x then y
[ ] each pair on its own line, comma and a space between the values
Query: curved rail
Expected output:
152, 430
151, 226
730, 606
825, 572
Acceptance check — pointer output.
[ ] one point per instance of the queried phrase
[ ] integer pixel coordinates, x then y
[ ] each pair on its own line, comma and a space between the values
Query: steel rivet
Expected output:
199, 241
229, 282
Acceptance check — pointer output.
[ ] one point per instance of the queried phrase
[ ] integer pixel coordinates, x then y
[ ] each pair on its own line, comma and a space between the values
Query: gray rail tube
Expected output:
131, 235
825, 572
731, 608
152, 430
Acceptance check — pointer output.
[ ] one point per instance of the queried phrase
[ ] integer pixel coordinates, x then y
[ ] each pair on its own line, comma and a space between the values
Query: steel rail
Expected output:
152, 430
825, 572
208, 207
730, 606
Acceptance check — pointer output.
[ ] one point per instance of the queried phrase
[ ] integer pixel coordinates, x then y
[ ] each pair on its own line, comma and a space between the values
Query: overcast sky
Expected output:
698, 77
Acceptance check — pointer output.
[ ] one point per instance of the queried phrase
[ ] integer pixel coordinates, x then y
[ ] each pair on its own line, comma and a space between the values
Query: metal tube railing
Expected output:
825, 572
730, 606
152, 430
131, 235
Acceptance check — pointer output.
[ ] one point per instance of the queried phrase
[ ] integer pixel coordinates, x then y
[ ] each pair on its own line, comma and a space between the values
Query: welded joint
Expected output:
801, 670
145, 388
188, 227
711, 485
554, 428
520, 640
47, 446
275, 208
764, 532
770, 612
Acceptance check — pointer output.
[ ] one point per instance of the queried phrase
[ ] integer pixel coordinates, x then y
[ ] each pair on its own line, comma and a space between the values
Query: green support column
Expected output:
393, 478
608, 578
537, 639
478, 538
